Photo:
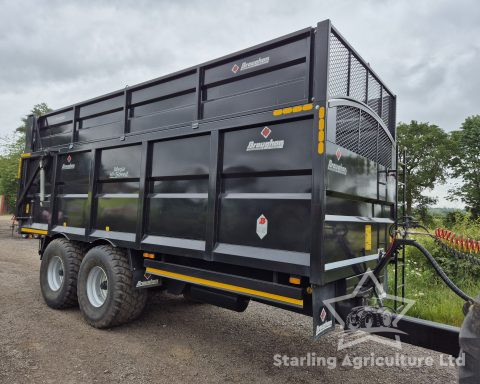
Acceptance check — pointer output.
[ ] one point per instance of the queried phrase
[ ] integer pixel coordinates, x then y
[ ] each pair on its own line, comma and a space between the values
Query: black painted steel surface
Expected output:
276, 158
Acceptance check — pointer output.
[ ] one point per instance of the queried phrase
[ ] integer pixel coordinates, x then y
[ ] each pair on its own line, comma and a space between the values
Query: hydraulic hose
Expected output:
437, 268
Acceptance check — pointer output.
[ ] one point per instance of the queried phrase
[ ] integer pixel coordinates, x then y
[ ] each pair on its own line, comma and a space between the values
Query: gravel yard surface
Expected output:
174, 341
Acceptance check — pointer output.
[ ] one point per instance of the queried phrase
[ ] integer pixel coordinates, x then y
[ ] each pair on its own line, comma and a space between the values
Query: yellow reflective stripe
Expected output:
295, 109
23, 155
321, 124
321, 131
321, 148
36, 231
321, 136
368, 237
228, 287
321, 112
19, 172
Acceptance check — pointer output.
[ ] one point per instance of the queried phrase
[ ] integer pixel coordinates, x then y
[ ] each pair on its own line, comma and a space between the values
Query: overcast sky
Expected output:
62, 52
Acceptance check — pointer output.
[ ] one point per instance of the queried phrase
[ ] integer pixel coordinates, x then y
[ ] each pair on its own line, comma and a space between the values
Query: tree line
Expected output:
433, 156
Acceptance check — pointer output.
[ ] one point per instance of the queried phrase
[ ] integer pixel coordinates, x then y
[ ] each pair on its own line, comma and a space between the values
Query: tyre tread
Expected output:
75, 252
128, 302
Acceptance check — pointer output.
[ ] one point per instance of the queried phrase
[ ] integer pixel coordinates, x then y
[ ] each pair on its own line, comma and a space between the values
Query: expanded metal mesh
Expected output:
348, 119
374, 94
360, 132
349, 76
386, 109
358, 80
338, 78
368, 137
385, 149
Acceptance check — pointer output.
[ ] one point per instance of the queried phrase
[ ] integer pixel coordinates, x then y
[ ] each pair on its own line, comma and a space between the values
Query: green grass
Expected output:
433, 299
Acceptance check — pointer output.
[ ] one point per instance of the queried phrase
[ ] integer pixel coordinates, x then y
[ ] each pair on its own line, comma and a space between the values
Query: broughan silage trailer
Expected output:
269, 174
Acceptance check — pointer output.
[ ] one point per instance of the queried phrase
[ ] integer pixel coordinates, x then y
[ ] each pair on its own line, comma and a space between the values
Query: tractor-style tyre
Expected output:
59, 271
106, 294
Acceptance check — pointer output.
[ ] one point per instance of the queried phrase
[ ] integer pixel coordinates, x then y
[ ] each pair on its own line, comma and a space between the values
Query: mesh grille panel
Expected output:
359, 132
338, 69
374, 94
386, 108
368, 137
358, 80
384, 149
349, 76
348, 119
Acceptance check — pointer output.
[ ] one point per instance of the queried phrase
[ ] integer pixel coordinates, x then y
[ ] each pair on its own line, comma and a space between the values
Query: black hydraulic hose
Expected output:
437, 268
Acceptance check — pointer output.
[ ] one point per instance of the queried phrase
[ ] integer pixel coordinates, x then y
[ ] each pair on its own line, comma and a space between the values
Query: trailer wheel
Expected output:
105, 291
58, 273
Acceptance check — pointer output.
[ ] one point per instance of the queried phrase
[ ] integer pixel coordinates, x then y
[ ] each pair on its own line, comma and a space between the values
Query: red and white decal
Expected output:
262, 226
68, 165
235, 68
338, 154
323, 315
266, 132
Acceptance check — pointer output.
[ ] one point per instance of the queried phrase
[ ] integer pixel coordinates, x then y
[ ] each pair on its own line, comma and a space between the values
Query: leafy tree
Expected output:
10, 149
37, 110
465, 164
427, 148
422, 212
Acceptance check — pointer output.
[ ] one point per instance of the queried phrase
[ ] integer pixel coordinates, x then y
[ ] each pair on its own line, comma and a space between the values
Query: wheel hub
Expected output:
97, 286
55, 273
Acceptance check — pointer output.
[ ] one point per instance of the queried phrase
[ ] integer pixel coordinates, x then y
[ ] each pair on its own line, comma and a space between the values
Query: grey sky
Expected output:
61, 52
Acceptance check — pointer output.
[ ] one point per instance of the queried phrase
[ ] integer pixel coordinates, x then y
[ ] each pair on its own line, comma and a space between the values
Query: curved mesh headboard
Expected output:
350, 77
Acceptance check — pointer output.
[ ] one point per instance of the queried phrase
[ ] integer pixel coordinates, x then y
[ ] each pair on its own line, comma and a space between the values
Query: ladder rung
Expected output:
382, 182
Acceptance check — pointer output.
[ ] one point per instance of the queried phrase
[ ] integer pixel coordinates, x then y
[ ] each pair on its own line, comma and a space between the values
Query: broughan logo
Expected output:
251, 64
272, 144
337, 168
70, 165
